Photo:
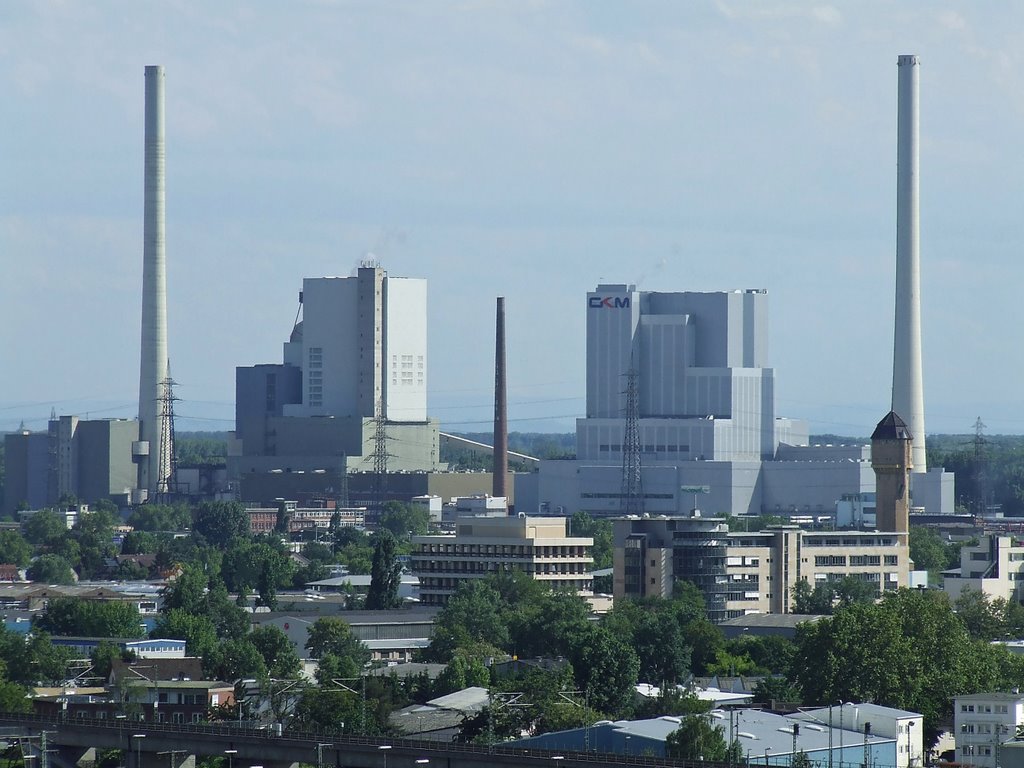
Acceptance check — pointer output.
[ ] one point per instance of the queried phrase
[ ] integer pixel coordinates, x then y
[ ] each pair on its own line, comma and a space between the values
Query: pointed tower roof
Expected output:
892, 427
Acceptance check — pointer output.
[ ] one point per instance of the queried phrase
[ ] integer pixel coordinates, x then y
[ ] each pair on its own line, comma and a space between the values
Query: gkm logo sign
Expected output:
608, 302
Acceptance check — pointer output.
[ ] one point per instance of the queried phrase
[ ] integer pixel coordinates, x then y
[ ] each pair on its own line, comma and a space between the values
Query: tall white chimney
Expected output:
907, 380
154, 467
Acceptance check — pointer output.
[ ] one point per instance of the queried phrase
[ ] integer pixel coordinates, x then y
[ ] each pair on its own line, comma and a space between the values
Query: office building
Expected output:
541, 547
740, 573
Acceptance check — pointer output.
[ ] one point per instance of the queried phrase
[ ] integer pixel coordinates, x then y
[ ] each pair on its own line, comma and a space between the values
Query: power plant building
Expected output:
88, 459
355, 362
709, 436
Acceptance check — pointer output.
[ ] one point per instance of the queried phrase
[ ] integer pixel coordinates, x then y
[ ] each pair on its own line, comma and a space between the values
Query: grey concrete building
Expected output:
91, 459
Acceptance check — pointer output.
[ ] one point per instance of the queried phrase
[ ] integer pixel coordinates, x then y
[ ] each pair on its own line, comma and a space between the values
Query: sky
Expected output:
528, 149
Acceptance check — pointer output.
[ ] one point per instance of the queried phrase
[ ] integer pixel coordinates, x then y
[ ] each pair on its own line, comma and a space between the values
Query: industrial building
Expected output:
349, 395
541, 547
91, 460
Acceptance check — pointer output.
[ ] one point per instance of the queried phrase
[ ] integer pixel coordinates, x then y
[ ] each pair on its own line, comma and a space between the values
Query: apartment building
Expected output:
740, 573
982, 722
539, 546
994, 566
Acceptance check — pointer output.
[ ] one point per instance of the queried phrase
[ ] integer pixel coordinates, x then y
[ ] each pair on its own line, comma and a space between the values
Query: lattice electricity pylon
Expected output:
167, 462
632, 495
980, 467
380, 461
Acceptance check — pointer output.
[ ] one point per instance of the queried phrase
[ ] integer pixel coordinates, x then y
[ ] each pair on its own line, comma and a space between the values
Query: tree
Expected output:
46, 529
14, 549
51, 569
606, 667
600, 531
404, 520
198, 631
776, 688
910, 651
235, 660
385, 574
697, 739
139, 543
470, 618
103, 657
187, 592
219, 522
656, 635
71, 616
277, 651
984, 619
927, 549
549, 624
331, 635
160, 517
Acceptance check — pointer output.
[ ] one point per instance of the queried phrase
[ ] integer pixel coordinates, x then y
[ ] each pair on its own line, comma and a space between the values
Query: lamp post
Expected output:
231, 754
910, 745
383, 749
138, 748
766, 751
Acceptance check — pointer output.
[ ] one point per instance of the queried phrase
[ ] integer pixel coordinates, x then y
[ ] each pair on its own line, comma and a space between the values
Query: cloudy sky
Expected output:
528, 149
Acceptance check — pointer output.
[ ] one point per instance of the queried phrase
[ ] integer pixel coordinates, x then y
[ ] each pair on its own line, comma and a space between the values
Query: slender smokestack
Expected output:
500, 405
153, 367
907, 380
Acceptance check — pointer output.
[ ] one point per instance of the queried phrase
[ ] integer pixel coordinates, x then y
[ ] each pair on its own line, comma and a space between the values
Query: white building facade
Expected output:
982, 722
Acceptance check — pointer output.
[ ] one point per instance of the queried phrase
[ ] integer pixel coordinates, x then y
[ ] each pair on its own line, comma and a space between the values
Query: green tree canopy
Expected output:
606, 667
161, 517
277, 650
330, 634
219, 522
471, 618
71, 616
46, 529
198, 631
385, 573
51, 569
404, 520
910, 651
14, 548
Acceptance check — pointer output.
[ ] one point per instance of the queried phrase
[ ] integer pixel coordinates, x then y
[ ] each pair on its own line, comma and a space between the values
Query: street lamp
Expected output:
383, 749
138, 748
231, 754
766, 751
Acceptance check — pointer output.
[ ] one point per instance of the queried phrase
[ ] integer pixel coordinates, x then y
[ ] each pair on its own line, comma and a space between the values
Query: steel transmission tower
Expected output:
632, 496
980, 475
167, 462
380, 462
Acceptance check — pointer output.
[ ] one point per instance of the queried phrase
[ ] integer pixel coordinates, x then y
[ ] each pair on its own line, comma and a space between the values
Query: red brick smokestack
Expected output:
499, 487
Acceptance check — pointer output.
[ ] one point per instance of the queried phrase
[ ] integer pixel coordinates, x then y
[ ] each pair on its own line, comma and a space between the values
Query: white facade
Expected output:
982, 722
994, 566
363, 340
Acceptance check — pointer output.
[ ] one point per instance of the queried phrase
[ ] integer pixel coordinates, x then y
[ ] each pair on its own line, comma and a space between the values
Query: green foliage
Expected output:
910, 651
330, 634
470, 619
235, 660
706, 641
220, 522
201, 451
93, 533
352, 548
826, 596
187, 592
601, 531
161, 517
103, 657
776, 688
697, 739
277, 651
655, 628
139, 543
385, 573
404, 519
33, 659
606, 667
261, 564
771, 654
198, 631
70, 616
547, 625
46, 529
51, 569
464, 670
14, 548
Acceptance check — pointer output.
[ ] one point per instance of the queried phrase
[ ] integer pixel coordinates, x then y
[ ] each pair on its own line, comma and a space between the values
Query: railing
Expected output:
312, 738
